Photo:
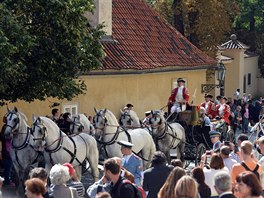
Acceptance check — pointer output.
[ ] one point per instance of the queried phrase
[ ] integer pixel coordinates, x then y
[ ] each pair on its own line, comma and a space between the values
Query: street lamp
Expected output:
220, 69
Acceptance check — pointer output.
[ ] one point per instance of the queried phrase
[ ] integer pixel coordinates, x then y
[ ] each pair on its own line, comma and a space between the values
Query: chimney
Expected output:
102, 15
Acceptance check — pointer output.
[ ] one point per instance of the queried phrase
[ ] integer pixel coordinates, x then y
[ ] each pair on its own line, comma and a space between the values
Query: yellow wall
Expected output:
234, 71
144, 91
251, 66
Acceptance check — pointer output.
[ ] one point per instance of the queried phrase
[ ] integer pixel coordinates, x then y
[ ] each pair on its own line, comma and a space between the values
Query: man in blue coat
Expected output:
131, 162
215, 139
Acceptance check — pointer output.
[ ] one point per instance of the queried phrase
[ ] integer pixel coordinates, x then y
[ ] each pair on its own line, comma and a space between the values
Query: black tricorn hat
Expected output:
180, 80
208, 96
129, 105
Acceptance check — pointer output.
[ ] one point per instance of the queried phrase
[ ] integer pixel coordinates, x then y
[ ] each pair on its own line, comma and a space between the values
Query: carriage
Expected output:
197, 135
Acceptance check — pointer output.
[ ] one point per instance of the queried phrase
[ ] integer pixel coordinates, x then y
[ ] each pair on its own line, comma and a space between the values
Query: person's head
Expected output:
225, 151
40, 173
177, 163
248, 184
180, 82
198, 174
260, 142
34, 187
158, 159
186, 187
103, 195
218, 97
126, 147
238, 108
246, 147
222, 182
208, 97
129, 106
168, 187
111, 169
223, 100
214, 136
241, 138
118, 160
59, 174
216, 162
238, 90
66, 115
55, 112
70, 168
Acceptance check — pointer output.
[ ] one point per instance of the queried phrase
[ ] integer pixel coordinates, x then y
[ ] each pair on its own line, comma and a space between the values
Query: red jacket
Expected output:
226, 112
209, 111
185, 94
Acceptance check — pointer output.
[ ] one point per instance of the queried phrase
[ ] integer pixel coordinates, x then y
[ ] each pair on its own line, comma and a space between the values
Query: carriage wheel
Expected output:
200, 150
189, 155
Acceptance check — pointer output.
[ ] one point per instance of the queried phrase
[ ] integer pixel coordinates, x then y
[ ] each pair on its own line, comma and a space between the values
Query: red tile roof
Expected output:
146, 41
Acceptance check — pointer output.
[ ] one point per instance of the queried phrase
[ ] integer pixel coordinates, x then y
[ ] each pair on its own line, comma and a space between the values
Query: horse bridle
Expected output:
43, 130
78, 124
15, 119
124, 115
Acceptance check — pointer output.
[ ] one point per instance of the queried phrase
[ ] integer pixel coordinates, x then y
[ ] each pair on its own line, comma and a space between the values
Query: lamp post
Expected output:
220, 69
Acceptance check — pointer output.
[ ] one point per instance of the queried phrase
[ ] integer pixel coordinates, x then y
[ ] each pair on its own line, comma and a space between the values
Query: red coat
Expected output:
185, 94
210, 110
226, 112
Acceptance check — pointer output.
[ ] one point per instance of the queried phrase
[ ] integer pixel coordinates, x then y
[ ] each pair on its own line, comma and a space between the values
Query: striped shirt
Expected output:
78, 186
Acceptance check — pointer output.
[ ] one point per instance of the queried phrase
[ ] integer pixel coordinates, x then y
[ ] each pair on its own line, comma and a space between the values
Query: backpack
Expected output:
255, 171
139, 191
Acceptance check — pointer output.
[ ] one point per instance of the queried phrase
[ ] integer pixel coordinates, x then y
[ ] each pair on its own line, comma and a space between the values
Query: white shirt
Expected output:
261, 162
209, 178
228, 162
221, 109
179, 95
127, 157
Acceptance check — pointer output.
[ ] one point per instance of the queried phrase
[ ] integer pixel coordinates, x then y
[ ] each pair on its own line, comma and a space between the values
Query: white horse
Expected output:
59, 148
167, 136
22, 153
129, 119
81, 124
109, 131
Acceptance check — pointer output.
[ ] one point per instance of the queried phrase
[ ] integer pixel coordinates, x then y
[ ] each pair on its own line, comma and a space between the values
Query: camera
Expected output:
227, 143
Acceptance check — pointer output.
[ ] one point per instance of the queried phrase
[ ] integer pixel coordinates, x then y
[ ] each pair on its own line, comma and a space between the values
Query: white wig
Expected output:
59, 174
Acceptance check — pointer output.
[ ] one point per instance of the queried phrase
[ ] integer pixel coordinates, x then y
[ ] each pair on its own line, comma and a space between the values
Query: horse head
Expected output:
156, 121
100, 121
39, 132
12, 122
76, 125
126, 119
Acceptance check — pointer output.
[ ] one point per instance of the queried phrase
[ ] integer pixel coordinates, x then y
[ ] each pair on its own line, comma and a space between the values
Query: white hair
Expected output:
59, 174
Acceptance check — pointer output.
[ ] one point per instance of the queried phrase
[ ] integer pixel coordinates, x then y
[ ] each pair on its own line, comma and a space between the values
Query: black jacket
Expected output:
154, 178
228, 196
121, 190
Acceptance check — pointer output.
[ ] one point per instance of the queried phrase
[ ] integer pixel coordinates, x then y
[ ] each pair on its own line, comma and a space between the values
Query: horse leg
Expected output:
92, 157
180, 151
168, 156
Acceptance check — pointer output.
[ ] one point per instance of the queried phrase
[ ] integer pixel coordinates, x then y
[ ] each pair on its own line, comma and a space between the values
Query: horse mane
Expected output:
111, 117
23, 115
48, 122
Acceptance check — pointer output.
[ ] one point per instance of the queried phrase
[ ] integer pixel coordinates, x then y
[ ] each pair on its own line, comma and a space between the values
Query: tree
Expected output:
44, 47
204, 22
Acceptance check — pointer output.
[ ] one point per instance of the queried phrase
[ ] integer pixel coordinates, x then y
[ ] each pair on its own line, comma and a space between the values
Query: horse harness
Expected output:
59, 145
164, 134
25, 143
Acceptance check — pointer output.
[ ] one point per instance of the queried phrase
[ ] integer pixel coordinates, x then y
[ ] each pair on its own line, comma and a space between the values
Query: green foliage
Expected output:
44, 46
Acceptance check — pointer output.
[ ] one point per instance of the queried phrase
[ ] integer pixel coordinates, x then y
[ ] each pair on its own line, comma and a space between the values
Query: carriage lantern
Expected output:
221, 70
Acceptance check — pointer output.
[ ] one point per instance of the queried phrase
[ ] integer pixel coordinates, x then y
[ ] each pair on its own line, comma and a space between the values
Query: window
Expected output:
71, 108
249, 79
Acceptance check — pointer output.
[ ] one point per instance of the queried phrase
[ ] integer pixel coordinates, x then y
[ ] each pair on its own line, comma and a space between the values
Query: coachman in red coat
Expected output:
223, 110
209, 106
179, 95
